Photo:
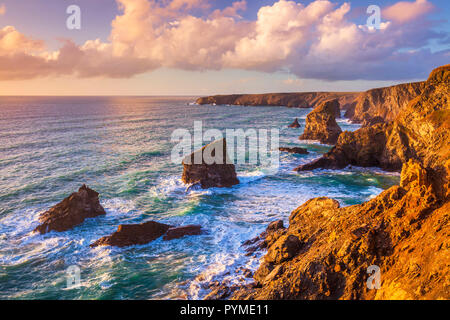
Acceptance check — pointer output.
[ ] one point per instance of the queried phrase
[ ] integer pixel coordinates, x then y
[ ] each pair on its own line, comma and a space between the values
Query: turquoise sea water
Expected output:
121, 147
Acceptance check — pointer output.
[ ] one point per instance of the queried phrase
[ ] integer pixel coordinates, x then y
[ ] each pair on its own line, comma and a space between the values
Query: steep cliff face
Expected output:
329, 252
321, 123
384, 103
294, 100
326, 251
420, 131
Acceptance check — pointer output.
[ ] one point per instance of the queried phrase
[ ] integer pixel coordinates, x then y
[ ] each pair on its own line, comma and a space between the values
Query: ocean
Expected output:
121, 147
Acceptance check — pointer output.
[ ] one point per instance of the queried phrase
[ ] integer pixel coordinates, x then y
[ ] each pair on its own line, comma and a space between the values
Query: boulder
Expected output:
321, 123
210, 167
296, 150
71, 211
179, 232
133, 234
294, 124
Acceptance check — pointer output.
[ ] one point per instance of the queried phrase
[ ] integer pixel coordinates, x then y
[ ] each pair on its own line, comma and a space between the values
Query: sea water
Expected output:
121, 147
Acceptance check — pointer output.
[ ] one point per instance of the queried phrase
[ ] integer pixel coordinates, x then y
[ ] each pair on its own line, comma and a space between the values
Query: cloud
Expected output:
404, 11
316, 41
2, 9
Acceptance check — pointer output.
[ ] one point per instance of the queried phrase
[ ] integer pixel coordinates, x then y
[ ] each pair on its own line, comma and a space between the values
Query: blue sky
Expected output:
156, 64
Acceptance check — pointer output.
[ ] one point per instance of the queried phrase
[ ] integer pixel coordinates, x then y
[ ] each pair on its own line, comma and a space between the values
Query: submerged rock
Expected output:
133, 234
321, 123
71, 212
294, 124
179, 232
210, 167
296, 150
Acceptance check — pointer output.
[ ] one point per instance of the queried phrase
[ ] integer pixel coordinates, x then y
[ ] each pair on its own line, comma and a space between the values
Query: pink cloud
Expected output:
404, 11
314, 41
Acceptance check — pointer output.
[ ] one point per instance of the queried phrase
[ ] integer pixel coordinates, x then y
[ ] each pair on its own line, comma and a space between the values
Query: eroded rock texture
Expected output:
321, 123
71, 212
420, 131
326, 250
383, 103
202, 168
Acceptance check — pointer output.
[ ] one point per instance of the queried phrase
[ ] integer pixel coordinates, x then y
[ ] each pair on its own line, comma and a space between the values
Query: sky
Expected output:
202, 47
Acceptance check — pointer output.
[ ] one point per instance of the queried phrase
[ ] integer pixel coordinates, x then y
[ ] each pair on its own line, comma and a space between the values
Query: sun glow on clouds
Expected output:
314, 41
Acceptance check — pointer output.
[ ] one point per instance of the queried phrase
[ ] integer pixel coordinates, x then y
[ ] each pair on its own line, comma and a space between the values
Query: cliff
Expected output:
383, 103
294, 100
419, 131
327, 252
331, 252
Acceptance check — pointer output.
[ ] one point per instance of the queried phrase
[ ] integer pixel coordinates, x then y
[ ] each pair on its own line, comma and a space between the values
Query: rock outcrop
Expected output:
332, 252
347, 100
133, 234
321, 123
138, 234
384, 103
327, 250
71, 212
179, 232
294, 124
210, 167
420, 131
297, 150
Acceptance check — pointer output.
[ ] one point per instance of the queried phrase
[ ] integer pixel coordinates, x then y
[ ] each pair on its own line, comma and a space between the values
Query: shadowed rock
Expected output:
297, 150
294, 124
71, 212
133, 234
179, 232
321, 123
210, 167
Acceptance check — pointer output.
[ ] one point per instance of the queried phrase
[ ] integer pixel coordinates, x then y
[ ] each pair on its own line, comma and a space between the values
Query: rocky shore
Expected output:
327, 251
347, 100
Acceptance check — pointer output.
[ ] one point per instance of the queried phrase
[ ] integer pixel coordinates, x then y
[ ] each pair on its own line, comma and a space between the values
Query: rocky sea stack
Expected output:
71, 212
294, 124
210, 167
321, 123
138, 234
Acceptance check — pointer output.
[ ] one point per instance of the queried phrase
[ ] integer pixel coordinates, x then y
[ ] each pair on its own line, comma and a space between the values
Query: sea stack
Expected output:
321, 123
143, 233
71, 211
294, 124
210, 167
